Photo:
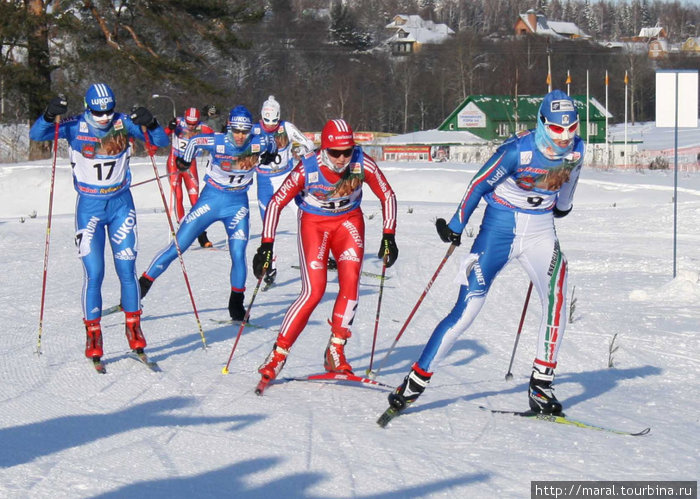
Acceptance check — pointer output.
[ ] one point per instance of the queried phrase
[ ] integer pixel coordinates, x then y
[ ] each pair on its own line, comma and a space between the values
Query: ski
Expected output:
262, 385
340, 377
364, 273
143, 359
112, 310
99, 365
237, 323
387, 416
563, 419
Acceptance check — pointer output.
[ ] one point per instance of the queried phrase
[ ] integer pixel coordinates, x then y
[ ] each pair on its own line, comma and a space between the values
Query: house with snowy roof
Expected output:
497, 117
532, 22
410, 32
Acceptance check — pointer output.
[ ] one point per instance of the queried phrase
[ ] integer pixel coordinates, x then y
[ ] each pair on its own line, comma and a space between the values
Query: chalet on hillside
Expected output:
535, 23
497, 117
410, 32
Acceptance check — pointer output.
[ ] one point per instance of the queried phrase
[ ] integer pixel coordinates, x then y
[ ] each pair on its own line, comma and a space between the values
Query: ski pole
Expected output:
174, 238
152, 179
509, 375
379, 306
450, 250
57, 120
245, 319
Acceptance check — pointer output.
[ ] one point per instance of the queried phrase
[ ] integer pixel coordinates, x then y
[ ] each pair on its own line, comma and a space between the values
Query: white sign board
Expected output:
471, 117
685, 82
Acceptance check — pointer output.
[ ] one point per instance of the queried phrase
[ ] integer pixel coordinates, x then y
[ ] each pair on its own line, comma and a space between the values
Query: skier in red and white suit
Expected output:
183, 129
327, 187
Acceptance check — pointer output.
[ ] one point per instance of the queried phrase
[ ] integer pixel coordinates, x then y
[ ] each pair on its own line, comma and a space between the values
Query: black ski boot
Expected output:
411, 388
270, 276
541, 393
204, 241
144, 285
235, 306
332, 264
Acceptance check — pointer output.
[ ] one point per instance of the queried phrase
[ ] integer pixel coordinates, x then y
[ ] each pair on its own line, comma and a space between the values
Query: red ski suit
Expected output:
329, 220
182, 134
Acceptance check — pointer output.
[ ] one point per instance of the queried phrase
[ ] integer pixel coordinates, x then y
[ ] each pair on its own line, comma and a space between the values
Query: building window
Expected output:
503, 130
592, 128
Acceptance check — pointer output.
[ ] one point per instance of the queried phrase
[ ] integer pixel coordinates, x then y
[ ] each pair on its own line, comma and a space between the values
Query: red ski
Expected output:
340, 377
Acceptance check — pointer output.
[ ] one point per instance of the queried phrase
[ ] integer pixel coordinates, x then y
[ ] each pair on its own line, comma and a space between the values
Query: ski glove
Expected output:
267, 157
561, 213
57, 106
388, 247
446, 233
172, 125
143, 117
262, 257
182, 165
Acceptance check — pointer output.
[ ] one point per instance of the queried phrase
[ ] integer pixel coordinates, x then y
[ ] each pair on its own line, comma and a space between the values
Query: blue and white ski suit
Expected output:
270, 177
521, 187
101, 176
224, 198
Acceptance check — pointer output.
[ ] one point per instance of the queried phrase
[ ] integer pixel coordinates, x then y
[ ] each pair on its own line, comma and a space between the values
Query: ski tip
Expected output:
387, 416
645, 431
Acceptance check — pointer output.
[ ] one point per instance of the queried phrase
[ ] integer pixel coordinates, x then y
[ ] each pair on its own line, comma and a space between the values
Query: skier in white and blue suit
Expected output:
100, 150
527, 182
234, 156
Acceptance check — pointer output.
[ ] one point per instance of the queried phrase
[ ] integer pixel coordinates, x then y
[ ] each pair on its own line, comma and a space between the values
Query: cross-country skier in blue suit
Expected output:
234, 156
527, 182
99, 153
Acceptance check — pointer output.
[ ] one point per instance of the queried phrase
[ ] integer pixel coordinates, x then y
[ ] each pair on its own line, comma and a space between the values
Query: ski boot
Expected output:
334, 358
235, 306
411, 388
271, 367
204, 241
145, 284
332, 264
274, 362
133, 331
541, 393
93, 346
270, 276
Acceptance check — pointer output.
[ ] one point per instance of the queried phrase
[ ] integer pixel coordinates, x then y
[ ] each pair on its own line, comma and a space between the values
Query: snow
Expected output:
192, 431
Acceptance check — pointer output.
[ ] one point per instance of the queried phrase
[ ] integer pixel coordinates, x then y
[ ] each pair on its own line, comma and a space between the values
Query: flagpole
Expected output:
588, 108
607, 142
625, 148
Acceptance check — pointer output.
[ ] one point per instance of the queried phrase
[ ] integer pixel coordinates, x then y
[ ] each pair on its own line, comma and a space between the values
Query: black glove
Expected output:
446, 233
56, 107
182, 165
143, 117
172, 125
561, 213
388, 247
262, 257
267, 157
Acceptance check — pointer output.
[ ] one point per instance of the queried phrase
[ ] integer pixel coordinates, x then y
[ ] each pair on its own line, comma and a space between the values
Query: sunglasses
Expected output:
560, 132
336, 153
102, 113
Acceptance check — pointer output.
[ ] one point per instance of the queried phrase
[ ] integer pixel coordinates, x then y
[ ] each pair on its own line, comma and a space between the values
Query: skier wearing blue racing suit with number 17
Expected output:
234, 156
528, 182
99, 153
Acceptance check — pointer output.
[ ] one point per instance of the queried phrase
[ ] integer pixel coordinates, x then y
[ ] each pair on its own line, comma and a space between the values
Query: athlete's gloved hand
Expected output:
172, 125
388, 247
56, 107
561, 213
143, 117
267, 157
182, 165
446, 233
262, 257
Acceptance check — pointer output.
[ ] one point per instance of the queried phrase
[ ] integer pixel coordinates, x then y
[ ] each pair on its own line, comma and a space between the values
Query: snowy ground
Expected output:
191, 431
